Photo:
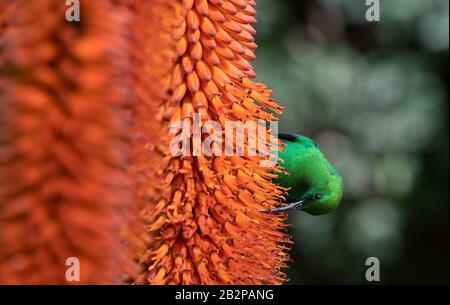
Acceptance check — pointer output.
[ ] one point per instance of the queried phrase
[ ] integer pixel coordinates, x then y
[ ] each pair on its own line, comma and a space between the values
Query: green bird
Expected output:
314, 184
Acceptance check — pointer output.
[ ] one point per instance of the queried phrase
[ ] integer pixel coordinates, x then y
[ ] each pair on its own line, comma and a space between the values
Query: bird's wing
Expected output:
288, 137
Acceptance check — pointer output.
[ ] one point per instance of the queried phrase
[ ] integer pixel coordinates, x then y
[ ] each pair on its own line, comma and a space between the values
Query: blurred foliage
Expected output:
374, 97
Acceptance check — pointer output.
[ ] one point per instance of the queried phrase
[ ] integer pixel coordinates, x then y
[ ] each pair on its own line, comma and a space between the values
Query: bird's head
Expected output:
322, 203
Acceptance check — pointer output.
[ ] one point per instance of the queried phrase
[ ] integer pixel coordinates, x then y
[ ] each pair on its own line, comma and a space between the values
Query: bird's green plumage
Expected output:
309, 173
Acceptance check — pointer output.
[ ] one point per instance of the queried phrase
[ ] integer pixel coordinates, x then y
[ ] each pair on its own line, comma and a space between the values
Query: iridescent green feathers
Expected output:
310, 176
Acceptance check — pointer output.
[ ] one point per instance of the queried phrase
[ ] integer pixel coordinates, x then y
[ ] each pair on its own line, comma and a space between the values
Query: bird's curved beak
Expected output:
292, 206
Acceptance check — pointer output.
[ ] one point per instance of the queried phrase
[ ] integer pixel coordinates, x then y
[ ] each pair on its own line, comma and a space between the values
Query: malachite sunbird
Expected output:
314, 184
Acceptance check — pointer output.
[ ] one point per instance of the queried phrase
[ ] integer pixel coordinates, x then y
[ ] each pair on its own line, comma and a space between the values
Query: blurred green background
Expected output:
374, 97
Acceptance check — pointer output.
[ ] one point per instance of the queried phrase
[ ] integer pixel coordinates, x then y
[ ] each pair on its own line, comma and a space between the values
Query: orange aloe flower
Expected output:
84, 145
63, 141
151, 62
204, 224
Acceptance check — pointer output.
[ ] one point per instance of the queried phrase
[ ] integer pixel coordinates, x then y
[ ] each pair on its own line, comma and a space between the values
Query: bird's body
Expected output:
314, 183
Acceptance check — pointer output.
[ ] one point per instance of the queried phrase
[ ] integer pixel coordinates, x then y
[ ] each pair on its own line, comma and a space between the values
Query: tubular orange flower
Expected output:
63, 152
84, 145
151, 61
205, 224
